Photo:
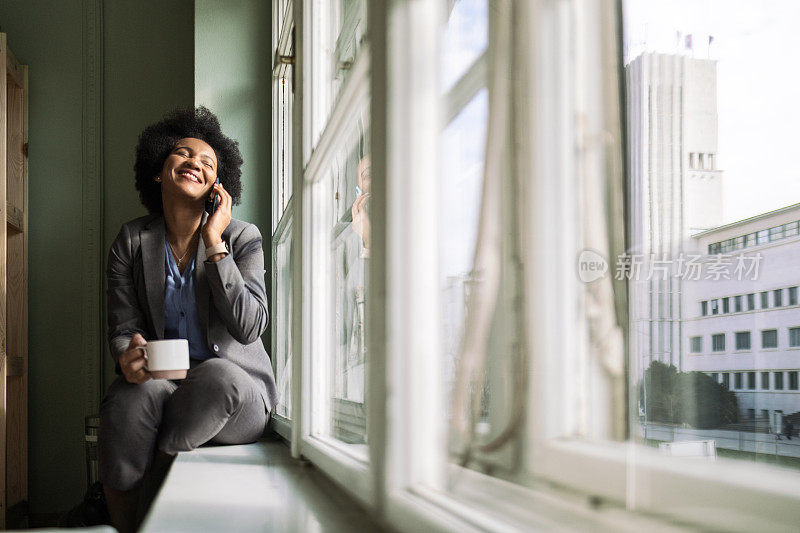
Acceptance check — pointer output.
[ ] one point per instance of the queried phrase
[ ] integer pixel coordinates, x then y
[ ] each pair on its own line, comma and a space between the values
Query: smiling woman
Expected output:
190, 271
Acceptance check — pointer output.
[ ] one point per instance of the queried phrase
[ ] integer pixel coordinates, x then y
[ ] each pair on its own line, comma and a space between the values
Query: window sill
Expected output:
251, 487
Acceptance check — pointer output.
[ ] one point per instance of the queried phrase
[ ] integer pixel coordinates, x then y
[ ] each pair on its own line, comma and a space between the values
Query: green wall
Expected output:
148, 69
233, 78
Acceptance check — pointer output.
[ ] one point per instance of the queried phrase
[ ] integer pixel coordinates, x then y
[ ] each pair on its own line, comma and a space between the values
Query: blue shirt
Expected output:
180, 310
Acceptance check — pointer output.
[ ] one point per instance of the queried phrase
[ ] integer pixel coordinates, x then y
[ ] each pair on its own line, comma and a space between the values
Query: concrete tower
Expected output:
675, 189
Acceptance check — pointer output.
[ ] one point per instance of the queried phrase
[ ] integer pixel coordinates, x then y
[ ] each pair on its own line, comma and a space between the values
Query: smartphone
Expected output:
211, 205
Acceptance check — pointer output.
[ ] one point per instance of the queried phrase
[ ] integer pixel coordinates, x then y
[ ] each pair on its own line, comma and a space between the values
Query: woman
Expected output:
182, 273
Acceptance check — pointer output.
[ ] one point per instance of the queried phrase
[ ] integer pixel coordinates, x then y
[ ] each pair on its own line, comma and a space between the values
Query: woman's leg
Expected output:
130, 416
218, 402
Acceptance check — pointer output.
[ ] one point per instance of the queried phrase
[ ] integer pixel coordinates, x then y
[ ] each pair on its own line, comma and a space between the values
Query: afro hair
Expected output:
159, 139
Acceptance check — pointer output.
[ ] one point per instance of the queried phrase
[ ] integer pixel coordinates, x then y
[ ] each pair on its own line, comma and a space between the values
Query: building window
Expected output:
714, 307
794, 337
765, 380
778, 297
715, 376
764, 300
737, 380
751, 414
726, 305
769, 338
697, 345
742, 340
776, 233
750, 239
704, 308
737, 304
763, 236
718, 342
793, 380
790, 229
751, 301
778, 380
751, 381
726, 380
792, 295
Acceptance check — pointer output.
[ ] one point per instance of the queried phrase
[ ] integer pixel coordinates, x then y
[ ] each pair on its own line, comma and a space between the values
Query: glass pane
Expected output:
464, 39
484, 403
283, 322
349, 24
338, 29
341, 244
687, 95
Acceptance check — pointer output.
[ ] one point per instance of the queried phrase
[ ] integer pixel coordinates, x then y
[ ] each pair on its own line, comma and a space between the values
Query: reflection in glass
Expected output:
349, 24
283, 322
349, 249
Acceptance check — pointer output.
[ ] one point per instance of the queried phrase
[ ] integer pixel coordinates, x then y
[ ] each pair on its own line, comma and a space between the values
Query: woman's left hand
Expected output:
217, 222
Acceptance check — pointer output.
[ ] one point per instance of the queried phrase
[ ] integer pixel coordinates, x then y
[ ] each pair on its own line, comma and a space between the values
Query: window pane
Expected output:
718, 342
704, 308
689, 191
340, 243
348, 18
460, 193
794, 337
464, 40
283, 323
793, 380
769, 338
742, 340
697, 344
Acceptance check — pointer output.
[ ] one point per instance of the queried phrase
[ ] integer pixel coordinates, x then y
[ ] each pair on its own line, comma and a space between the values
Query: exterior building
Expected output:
745, 330
675, 189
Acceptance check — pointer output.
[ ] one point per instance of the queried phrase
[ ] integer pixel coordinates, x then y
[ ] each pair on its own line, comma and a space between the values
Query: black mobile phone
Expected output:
211, 205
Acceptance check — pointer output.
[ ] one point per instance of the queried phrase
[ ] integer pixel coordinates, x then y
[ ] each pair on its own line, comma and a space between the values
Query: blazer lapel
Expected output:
152, 238
201, 288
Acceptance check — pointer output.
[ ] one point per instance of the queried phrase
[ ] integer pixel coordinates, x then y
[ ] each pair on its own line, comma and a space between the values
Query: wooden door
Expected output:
13, 290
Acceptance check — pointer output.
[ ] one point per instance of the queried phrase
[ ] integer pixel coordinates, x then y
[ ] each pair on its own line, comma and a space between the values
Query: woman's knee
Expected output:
125, 398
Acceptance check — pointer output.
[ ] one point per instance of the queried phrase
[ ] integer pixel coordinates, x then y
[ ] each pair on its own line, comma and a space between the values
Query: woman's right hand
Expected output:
132, 361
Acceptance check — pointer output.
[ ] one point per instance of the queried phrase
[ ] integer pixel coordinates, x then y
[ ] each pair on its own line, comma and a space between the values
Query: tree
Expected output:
691, 398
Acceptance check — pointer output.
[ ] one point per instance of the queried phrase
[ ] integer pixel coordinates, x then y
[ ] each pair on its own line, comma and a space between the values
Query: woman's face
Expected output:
190, 170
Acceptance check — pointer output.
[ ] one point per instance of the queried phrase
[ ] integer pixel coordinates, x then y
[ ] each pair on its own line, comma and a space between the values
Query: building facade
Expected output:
742, 327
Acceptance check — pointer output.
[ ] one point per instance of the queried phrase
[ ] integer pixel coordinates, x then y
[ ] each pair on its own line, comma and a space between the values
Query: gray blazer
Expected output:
230, 295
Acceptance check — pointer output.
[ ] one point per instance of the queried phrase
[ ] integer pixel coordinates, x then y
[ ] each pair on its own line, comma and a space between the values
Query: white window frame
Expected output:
282, 213
405, 479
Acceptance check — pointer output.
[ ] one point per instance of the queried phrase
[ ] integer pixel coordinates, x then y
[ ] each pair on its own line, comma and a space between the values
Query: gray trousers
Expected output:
218, 402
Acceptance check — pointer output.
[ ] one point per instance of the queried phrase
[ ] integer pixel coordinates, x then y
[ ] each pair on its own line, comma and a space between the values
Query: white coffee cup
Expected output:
167, 359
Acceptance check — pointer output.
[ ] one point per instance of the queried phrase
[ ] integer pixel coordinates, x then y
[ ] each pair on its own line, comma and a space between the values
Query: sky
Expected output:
758, 83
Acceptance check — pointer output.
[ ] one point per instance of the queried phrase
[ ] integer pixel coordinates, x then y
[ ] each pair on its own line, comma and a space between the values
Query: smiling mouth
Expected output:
189, 176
